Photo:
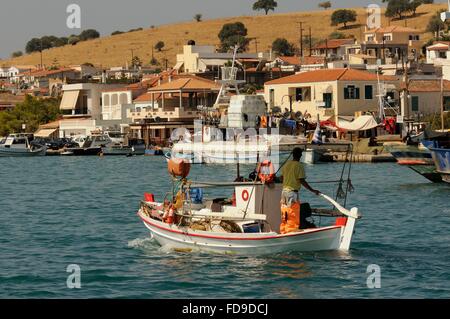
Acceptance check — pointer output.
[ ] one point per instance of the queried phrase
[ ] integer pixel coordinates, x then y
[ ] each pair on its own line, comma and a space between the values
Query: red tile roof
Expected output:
439, 46
147, 97
186, 82
330, 75
426, 85
44, 73
333, 44
393, 28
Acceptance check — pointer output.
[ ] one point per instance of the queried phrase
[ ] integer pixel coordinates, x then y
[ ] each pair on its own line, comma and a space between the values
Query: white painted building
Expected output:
203, 58
438, 53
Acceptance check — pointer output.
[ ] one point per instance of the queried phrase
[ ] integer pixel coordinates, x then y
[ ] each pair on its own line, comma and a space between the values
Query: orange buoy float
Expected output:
178, 167
266, 172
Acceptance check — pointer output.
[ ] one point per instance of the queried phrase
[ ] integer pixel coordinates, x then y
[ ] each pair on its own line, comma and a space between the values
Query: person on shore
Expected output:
293, 177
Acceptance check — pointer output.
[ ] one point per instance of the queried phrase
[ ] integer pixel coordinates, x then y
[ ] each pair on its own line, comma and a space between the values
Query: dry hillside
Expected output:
116, 50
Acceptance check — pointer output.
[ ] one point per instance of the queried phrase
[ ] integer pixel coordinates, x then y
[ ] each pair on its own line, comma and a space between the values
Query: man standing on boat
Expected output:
293, 177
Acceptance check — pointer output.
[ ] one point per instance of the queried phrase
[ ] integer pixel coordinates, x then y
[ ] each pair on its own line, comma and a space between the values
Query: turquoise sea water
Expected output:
60, 211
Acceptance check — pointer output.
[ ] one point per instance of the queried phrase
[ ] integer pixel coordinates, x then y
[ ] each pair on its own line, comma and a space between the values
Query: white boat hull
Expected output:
182, 238
17, 152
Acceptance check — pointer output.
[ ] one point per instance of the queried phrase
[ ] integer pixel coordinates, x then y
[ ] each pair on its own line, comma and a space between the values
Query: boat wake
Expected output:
141, 243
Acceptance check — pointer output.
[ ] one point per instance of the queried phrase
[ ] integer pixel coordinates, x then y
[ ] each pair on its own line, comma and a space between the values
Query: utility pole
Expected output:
301, 38
256, 43
42, 63
310, 41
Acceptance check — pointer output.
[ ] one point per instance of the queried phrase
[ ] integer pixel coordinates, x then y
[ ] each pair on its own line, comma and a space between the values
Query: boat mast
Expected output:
381, 113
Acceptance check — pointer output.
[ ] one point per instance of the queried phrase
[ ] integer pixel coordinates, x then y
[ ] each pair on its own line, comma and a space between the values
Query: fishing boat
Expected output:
245, 221
441, 157
427, 171
411, 154
440, 151
21, 145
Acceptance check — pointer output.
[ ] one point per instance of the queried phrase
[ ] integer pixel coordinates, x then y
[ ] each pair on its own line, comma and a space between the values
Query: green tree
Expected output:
136, 62
265, 5
343, 16
233, 34
154, 61
117, 32
283, 47
325, 5
337, 35
159, 46
16, 54
73, 40
435, 24
89, 34
398, 8
198, 17
414, 5
32, 112
34, 45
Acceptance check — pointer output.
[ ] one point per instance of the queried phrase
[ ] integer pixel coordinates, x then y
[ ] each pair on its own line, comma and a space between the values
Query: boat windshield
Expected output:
116, 135
20, 141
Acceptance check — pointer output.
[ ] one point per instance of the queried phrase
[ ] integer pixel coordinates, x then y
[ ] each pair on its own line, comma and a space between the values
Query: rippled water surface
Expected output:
60, 211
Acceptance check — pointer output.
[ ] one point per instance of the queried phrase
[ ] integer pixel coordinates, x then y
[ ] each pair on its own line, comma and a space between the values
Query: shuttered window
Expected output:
415, 104
351, 93
368, 92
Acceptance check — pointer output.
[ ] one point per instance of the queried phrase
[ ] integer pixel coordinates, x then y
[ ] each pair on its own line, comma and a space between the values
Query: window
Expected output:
123, 98
415, 104
442, 54
387, 38
114, 99
351, 92
328, 100
303, 94
368, 92
446, 103
106, 101
370, 38
272, 97
414, 37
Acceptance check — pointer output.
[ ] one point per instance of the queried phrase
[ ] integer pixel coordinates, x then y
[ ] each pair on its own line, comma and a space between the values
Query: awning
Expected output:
69, 100
214, 62
178, 66
45, 132
362, 123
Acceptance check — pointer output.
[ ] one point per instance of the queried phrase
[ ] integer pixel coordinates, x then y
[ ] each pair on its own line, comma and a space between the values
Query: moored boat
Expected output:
21, 145
441, 157
411, 155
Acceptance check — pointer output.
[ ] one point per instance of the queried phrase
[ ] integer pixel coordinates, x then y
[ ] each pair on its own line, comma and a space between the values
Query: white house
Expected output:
81, 106
438, 53
203, 58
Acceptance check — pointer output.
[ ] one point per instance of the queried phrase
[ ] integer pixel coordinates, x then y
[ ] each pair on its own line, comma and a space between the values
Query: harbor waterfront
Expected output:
56, 212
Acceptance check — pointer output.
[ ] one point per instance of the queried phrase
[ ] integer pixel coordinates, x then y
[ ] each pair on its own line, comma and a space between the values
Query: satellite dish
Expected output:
445, 16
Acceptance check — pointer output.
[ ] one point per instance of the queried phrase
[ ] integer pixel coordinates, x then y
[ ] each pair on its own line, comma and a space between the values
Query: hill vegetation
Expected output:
262, 31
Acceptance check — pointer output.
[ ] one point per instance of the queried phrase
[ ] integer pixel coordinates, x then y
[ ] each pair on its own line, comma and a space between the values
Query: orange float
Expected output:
178, 167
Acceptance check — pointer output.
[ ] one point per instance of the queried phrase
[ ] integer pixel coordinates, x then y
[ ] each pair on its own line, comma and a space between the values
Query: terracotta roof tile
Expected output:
333, 43
393, 28
329, 75
187, 83
426, 85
